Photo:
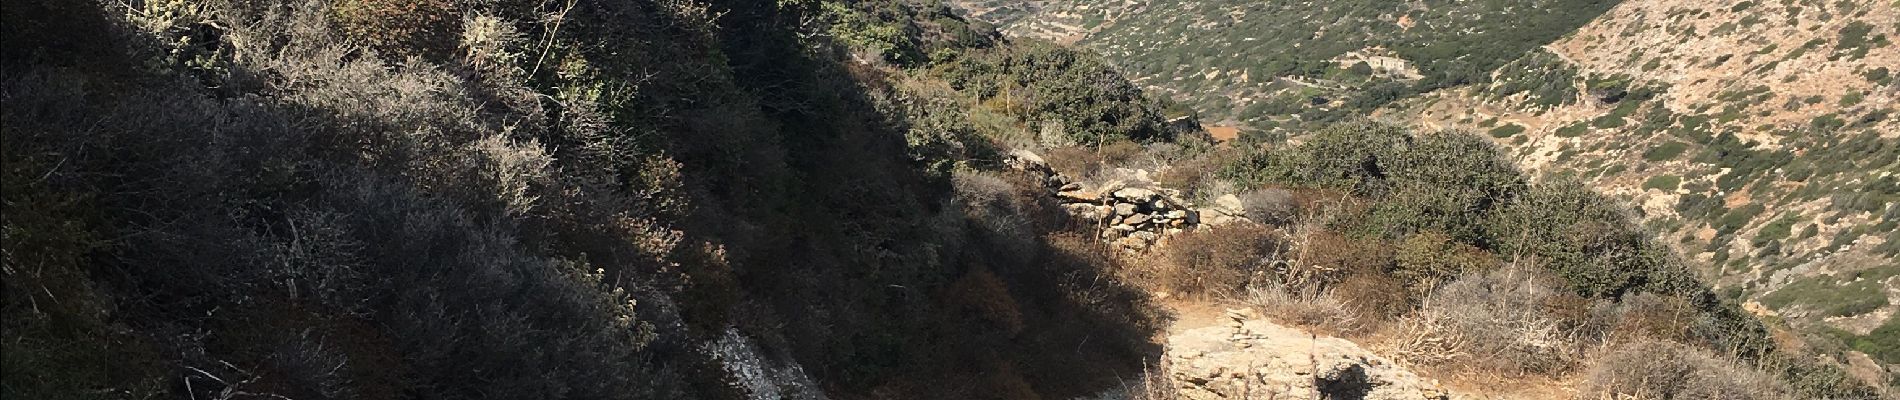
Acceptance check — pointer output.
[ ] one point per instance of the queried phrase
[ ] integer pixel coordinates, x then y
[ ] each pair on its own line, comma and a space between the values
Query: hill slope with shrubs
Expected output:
662, 199
1300, 63
1756, 138
1436, 250
509, 199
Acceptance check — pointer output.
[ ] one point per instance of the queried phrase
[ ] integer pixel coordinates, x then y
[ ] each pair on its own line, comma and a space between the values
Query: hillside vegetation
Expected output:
1433, 246
503, 199
1297, 62
1756, 138
814, 199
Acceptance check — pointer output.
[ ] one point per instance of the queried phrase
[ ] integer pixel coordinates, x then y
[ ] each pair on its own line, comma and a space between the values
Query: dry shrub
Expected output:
1306, 307
491, 44
1153, 384
711, 291
1088, 162
1651, 369
1325, 257
1651, 316
1002, 205
1217, 260
516, 170
981, 292
1198, 177
1498, 321
1120, 152
1074, 161
1273, 206
1428, 258
1310, 201
1373, 296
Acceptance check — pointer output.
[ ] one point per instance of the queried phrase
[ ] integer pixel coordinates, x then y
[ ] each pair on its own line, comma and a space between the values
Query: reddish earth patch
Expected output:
1222, 133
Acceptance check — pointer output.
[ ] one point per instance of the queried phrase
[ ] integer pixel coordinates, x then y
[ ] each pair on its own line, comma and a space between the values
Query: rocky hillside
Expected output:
875, 199
1755, 138
1265, 64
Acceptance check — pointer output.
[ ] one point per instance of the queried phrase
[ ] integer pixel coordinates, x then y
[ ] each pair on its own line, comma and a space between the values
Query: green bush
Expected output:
1883, 343
1543, 77
1879, 75
1667, 183
1665, 151
1506, 130
1852, 98
1777, 230
1344, 156
1854, 35
1072, 96
1606, 122
1587, 240
1827, 123
1574, 130
1832, 296
1429, 258
1737, 218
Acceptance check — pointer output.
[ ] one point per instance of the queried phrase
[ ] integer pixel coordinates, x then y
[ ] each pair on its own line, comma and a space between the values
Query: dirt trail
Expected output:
1194, 314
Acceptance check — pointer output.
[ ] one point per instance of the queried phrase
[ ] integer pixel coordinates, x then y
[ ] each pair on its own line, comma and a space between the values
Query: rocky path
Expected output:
1236, 354
1214, 352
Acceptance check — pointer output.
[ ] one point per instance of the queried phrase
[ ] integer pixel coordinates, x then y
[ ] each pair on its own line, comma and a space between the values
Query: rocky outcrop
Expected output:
1251, 358
757, 377
1227, 208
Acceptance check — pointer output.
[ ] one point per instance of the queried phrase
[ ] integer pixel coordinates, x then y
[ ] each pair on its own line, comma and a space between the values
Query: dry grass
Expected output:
1495, 322
1198, 177
1374, 296
982, 293
1323, 257
1651, 369
1153, 384
1647, 316
1088, 163
1305, 307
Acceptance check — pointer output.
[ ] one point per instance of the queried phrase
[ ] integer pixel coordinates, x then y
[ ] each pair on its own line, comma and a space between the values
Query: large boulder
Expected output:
1025, 160
1229, 204
1254, 358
